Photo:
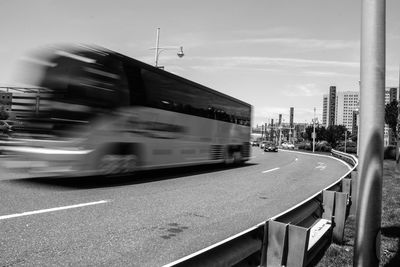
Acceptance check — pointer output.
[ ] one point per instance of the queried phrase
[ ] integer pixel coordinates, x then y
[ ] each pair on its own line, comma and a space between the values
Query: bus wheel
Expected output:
117, 164
129, 163
108, 164
229, 158
237, 157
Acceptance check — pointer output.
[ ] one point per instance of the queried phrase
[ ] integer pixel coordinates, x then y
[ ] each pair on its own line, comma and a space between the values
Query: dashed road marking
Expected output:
271, 170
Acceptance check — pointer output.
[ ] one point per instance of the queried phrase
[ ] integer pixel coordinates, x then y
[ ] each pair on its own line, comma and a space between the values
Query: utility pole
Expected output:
367, 243
313, 134
157, 47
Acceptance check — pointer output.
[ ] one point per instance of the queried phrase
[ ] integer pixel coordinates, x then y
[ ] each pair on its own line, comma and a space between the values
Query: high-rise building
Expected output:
331, 105
325, 111
338, 107
346, 103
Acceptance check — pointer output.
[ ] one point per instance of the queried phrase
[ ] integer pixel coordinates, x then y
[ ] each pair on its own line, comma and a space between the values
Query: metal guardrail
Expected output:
296, 237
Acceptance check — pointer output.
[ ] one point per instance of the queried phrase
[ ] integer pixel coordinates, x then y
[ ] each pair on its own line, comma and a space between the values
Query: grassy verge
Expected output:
342, 255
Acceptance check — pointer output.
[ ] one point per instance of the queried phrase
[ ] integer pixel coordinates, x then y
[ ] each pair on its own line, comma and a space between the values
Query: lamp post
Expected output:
313, 134
159, 49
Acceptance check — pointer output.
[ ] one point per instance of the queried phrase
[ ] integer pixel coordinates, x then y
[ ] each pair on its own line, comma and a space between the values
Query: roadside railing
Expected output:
296, 237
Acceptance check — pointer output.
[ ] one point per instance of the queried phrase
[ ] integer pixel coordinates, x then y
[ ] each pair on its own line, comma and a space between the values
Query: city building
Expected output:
325, 111
331, 106
346, 103
338, 107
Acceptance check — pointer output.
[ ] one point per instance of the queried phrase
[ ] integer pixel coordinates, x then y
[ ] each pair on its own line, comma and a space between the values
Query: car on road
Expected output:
262, 144
287, 145
255, 143
270, 146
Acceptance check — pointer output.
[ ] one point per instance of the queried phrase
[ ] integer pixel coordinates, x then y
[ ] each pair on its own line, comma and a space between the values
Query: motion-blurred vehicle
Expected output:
270, 147
111, 114
262, 144
255, 143
287, 145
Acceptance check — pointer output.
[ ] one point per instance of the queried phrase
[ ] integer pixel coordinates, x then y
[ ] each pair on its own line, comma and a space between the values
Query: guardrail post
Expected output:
354, 182
297, 245
340, 216
346, 186
277, 239
328, 202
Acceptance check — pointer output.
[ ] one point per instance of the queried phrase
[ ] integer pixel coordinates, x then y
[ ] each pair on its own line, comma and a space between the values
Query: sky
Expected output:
273, 54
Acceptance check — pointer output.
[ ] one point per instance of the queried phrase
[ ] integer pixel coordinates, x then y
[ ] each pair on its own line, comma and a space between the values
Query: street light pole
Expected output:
367, 243
313, 135
159, 49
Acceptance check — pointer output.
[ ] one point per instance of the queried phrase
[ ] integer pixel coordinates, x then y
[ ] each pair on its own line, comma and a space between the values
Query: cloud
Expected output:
311, 44
309, 89
268, 62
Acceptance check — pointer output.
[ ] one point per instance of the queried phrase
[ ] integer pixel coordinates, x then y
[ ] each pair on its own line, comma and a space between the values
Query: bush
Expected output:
304, 146
351, 150
323, 146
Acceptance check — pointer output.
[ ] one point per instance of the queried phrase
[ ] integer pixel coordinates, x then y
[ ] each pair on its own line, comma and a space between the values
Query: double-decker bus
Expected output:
111, 114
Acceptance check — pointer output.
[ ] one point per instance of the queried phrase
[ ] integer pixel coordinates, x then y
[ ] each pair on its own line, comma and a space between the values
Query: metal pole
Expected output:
369, 203
313, 135
345, 141
398, 127
157, 44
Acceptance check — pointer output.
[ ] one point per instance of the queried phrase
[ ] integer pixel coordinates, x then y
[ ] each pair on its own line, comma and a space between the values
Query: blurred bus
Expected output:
111, 114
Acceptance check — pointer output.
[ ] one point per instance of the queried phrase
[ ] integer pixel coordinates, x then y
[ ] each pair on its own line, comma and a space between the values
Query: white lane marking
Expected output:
319, 155
51, 210
271, 170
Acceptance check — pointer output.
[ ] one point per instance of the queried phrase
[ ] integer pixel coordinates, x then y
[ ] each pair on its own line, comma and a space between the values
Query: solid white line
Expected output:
51, 210
319, 155
271, 170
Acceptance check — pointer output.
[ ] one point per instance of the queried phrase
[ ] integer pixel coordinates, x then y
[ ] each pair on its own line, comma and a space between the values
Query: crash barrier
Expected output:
296, 237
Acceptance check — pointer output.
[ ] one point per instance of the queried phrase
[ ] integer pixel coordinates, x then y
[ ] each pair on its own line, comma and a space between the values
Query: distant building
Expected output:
331, 106
338, 107
325, 111
346, 103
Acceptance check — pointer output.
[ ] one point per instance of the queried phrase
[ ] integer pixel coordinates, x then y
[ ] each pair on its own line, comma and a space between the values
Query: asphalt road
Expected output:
152, 218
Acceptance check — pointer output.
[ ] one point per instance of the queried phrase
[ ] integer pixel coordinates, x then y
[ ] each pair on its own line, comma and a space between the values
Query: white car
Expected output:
287, 145
290, 146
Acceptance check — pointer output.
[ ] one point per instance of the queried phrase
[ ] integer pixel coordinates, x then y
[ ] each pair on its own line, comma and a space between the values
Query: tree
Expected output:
391, 119
335, 133
320, 132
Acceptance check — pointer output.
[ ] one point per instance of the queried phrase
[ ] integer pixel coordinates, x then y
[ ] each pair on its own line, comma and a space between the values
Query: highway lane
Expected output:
155, 217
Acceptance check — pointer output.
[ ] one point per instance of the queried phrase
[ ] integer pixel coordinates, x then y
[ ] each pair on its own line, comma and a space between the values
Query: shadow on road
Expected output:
92, 182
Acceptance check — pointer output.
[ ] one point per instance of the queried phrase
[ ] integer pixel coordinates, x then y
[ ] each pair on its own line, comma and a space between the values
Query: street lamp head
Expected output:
180, 52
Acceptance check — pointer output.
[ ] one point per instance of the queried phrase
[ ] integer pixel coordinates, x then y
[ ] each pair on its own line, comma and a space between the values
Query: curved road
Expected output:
153, 218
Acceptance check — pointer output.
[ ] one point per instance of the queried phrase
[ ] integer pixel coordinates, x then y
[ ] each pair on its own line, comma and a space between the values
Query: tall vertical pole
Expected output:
398, 126
157, 47
313, 134
369, 203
